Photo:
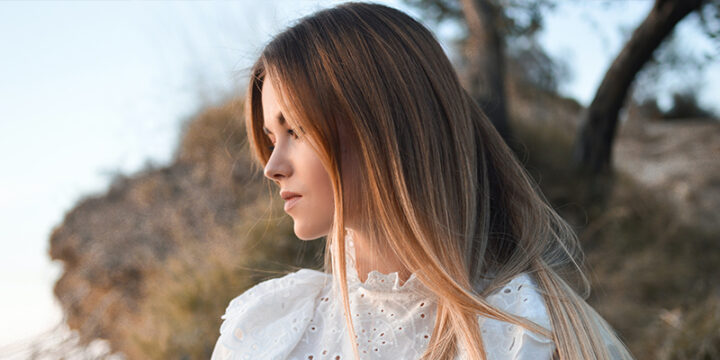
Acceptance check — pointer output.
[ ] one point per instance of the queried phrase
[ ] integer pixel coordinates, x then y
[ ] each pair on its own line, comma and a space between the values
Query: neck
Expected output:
368, 259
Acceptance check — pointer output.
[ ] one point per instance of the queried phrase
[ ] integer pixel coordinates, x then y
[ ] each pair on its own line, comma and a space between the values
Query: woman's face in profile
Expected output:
296, 168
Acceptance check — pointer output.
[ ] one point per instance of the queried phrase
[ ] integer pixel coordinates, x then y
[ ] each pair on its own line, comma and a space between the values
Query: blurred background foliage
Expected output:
151, 264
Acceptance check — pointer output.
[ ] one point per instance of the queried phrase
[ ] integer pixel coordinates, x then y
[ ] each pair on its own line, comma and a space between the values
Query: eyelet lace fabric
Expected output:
298, 316
379, 284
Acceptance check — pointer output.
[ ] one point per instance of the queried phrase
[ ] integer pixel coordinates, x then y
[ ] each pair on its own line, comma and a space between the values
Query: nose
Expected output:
278, 166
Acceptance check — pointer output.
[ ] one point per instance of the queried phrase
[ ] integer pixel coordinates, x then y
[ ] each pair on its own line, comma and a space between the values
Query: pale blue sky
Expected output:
89, 88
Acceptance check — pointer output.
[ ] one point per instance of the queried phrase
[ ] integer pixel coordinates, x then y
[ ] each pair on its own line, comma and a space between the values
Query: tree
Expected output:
485, 57
592, 150
488, 29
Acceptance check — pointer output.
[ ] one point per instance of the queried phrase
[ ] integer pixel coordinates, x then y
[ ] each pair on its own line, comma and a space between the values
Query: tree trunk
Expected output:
484, 52
593, 148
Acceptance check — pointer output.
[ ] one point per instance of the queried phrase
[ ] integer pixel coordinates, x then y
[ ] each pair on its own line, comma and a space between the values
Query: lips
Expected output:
286, 195
290, 202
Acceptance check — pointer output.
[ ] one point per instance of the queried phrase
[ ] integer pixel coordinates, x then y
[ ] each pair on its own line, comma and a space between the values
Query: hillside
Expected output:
680, 158
174, 237
151, 264
652, 249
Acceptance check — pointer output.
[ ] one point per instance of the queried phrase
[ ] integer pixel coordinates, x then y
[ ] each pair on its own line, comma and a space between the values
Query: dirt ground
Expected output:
680, 158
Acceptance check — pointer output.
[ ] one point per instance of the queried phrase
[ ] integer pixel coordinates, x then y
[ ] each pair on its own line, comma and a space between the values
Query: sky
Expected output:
90, 89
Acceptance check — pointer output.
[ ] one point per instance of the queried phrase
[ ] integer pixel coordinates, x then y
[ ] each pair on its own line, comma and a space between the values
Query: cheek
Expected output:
322, 188
315, 217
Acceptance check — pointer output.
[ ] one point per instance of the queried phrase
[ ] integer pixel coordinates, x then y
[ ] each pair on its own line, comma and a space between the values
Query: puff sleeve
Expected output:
506, 341
268, 320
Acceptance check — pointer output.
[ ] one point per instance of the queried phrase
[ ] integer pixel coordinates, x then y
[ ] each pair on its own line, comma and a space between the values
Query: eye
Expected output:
289, 131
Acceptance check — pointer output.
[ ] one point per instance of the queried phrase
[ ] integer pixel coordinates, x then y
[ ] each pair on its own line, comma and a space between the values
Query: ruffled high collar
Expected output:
376, 281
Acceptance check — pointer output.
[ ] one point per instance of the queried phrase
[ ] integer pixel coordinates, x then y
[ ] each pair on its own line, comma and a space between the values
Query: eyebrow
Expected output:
281, 120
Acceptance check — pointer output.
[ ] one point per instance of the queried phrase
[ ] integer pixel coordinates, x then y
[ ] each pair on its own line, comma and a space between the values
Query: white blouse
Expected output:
298, 317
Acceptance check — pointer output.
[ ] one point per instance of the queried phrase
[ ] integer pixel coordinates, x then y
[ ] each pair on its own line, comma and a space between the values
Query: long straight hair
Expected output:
448, 196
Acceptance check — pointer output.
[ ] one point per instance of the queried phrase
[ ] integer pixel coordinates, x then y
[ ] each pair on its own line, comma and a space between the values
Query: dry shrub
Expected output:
645, 265
690, 333
181, 312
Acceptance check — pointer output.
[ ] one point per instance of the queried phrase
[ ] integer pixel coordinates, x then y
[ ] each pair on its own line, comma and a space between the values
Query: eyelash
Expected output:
291, 132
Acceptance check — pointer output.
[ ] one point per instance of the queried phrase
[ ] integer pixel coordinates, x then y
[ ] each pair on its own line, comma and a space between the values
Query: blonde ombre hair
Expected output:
447, 195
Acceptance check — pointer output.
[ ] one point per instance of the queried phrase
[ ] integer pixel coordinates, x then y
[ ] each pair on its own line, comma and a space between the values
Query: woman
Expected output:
438, 244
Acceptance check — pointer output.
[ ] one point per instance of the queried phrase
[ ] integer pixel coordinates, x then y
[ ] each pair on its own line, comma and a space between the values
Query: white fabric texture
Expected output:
298, 317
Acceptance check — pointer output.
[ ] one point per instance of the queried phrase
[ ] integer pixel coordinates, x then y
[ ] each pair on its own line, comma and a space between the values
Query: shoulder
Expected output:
520, 297
282, 291
276, 310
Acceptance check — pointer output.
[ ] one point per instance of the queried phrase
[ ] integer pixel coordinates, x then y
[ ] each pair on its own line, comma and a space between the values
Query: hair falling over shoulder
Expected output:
371, 79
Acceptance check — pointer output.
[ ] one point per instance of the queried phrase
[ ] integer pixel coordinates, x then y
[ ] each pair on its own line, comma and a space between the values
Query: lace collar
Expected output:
377, 282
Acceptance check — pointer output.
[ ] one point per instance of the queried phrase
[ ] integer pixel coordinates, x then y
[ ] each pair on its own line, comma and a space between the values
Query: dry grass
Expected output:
654, 276
181, 314
175, 245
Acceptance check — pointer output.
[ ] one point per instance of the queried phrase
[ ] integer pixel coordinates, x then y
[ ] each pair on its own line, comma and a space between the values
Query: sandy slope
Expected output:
679, 158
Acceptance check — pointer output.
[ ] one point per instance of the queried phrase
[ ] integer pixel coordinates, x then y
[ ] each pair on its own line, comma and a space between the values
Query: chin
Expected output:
304, 232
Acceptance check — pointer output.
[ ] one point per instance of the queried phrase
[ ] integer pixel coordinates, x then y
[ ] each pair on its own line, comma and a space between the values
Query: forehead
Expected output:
280, 119
270, 106
269, 96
